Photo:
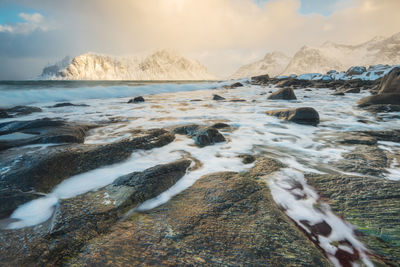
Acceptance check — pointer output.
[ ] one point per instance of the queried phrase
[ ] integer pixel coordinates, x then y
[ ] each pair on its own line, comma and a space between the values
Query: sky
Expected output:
221, 34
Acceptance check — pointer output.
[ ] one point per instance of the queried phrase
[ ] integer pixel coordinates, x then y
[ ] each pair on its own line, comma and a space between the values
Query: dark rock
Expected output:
233, 86
224, 218
247, 159
307, 90
220, 125
66, 104
338, 93
137, 99
391, 82
196, 100
18, 111
42, 170
370, 204
381, 99
352, 91
202, 136
305, 115
237, 100
217, 97
42, 131
283, 93
261, 79
356, 70
383, 108
358, 139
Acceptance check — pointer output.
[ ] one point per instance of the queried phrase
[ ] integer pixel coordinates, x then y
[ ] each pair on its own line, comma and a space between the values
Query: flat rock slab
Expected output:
371, 204
223, 219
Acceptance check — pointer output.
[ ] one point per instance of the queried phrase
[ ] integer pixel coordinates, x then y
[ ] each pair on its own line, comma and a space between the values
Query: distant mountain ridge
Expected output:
331, 56
161, 65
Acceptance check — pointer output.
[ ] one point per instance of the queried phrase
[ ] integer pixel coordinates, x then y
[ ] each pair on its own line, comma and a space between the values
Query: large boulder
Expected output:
283, 93
261, 79
391, 82
380, 99
304, 115
356, 70
202, 136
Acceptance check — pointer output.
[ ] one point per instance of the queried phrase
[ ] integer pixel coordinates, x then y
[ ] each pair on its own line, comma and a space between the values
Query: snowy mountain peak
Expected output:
160, 65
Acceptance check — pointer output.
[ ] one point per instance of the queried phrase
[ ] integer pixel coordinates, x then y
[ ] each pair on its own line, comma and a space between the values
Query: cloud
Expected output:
223, 34
31, 23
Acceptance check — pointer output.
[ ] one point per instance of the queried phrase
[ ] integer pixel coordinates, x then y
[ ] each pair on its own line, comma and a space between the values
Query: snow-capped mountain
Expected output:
332, 56
273, 64
329, 56
161, 65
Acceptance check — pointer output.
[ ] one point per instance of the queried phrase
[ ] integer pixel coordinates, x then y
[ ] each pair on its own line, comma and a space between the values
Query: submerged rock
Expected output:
353, 91
79, 219
218, 97
18, 111
305, 115
233, 86
202, 136
283, 93
44, 169
137, 99
224, 218
370, 204
67, 104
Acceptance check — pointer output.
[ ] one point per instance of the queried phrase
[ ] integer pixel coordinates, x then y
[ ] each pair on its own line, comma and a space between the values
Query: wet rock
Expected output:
237, 100
18, 111
220, 125
42, 131
261, 79
353, 91
247, 159
381, 99
202, 136
358, 139
383, 108
391, 135
233, 86
391, 82
224, 218
77, 220
67, 104
338, 93
137, 99
304, 115
42, 170
218, 97
370, 204
367, 160
283, 93
356, 70
12, 198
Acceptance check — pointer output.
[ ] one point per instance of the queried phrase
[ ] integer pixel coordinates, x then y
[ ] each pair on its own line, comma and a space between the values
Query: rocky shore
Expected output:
202, 178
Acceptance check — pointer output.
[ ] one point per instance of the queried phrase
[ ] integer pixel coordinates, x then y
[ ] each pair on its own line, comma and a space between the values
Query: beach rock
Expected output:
41, 131
358, 139
218, 97
372, 205
380, 99
364, 159
353, 91
304, 115
356, 70
18, 111
391, 82
237, 100
338, 93
137, 99
261, 79
220, 125
247, 159
223, 219
284, 93
202, 136
67, 104
44, 169
79, 219
233, 86
12, 198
